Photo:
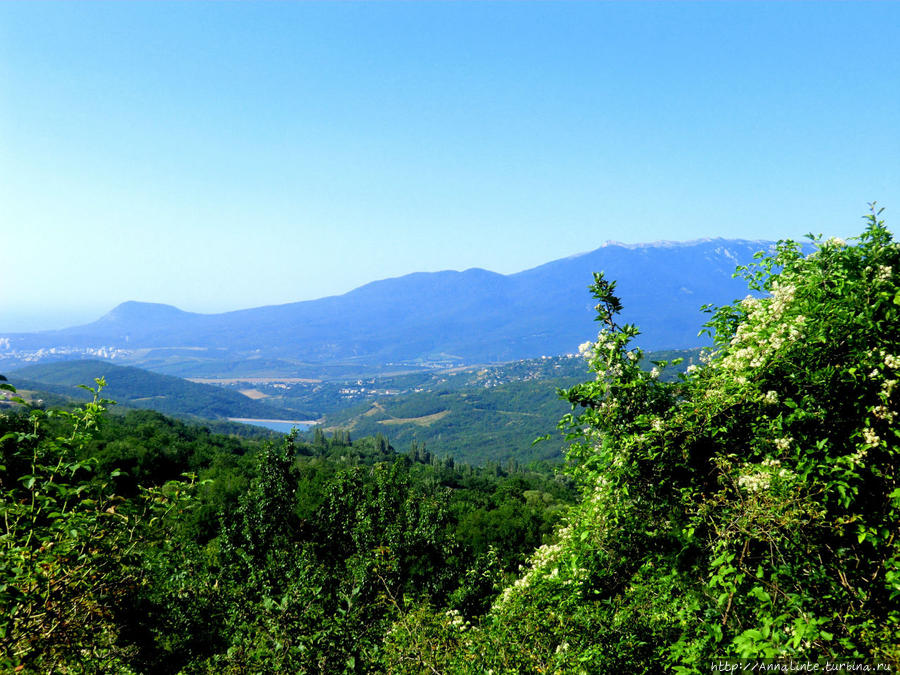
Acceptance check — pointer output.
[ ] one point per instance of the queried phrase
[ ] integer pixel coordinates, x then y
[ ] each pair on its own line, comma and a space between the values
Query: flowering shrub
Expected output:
749, 509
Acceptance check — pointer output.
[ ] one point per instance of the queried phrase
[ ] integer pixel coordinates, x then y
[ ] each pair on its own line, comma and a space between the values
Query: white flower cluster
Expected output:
755, 482
605, 341
707, 356
857, 457
771, 397
544, 562
782, 295
600, 491
870, 438
759, 477
883, 273
603, 350
542, 559
836, 241
783, 443
456, 620
891, 362
750, 303
763, 332
607, 407
884, 413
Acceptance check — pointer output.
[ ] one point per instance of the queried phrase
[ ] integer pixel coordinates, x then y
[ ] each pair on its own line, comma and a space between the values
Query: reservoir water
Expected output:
284, 426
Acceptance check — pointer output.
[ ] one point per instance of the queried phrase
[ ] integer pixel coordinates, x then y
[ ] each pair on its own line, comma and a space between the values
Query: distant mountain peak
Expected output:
133, 310
668, 243
476, 315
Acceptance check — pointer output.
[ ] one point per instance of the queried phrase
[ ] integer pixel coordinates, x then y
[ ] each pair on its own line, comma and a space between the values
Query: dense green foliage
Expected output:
749, 510
138, 543
71, 550
488, 414
475, 425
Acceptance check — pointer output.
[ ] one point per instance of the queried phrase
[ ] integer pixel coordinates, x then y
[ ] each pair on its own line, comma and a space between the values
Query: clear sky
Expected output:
218, 156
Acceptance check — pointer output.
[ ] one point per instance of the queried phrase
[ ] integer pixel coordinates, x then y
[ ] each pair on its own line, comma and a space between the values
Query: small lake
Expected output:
284, 426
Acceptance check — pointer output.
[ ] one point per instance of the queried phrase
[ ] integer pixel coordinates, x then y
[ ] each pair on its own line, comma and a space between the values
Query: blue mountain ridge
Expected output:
473, 316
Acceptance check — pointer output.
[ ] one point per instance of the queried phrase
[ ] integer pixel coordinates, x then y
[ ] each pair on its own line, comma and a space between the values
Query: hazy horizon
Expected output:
221, 156
79, 318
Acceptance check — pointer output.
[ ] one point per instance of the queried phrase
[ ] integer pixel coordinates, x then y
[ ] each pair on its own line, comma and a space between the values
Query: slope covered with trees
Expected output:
492, 414
138, 543
138, 388
748, 508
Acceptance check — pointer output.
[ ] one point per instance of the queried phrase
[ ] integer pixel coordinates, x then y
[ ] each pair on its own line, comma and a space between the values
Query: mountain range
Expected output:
421, 319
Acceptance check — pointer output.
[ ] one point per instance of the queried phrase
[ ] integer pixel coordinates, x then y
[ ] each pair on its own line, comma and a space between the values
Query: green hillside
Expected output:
474, 425
480, 415
138, 388
164, 515
741, 515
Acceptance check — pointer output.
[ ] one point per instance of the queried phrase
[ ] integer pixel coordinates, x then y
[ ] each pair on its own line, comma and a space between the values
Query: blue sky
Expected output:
217, 156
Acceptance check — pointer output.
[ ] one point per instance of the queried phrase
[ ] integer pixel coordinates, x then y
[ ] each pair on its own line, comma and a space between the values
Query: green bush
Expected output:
750, 508
70, 550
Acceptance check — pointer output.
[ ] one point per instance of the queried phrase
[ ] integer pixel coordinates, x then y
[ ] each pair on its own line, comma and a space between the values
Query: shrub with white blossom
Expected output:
749, 509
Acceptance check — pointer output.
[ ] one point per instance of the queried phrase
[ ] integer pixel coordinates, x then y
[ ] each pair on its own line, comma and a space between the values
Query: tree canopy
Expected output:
748, 510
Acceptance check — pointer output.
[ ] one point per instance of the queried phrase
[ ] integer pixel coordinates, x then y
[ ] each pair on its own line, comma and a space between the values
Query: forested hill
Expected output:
169, 578
490, 414
138, 388
744, 511
475, 316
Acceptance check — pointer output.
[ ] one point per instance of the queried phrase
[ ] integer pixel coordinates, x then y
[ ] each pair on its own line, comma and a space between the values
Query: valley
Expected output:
449, 338
475, 414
